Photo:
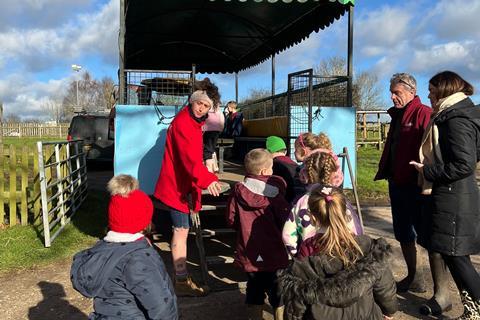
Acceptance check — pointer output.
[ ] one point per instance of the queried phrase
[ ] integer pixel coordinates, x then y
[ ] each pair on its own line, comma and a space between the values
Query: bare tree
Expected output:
107, 90
54, 110
255, 94
366, 91
91, 96
12, 118
333, 66
367, 94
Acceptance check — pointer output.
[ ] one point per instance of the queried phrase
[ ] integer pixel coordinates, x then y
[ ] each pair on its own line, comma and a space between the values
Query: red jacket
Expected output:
257, 209
183, 171
414, 122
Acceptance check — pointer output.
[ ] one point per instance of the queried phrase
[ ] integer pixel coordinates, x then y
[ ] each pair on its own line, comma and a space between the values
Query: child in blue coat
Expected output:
122, 272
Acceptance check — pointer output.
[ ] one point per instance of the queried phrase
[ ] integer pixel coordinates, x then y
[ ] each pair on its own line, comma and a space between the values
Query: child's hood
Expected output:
257, 191
91, 268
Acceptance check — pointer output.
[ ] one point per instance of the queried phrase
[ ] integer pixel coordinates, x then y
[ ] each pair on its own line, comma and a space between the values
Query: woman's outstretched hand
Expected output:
214, 188
418, 166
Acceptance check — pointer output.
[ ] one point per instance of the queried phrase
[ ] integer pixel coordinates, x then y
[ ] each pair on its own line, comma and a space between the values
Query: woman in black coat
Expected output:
454, 228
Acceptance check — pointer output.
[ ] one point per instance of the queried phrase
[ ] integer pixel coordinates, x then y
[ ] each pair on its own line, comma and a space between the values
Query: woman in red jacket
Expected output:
182, 177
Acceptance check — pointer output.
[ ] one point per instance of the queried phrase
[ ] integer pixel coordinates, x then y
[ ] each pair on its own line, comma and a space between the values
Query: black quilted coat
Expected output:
319, 287
455, 218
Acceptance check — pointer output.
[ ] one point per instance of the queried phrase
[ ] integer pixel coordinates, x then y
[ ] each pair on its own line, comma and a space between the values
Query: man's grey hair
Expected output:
404, 78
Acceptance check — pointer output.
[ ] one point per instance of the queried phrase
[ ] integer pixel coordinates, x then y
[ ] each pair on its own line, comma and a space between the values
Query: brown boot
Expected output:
188, 288
254, 312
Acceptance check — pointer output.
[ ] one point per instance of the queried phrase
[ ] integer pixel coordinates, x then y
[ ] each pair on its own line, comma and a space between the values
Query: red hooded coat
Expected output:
183, 171
257, 209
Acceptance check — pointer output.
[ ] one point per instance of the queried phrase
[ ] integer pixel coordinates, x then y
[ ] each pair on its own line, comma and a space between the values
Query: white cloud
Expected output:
462, 57
456, 18
40, 49
438, 55
99, 32
39, 13
27, 52
421, 37
380, 31
25, 97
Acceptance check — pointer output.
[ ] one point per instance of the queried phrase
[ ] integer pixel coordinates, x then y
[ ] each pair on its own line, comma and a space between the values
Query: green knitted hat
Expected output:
275, 144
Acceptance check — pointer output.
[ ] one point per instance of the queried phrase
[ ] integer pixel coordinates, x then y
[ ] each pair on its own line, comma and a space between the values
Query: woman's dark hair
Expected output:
447, 83
210, 88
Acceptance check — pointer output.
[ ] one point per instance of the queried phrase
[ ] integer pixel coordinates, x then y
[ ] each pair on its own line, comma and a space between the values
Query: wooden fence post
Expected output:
13, 186
24, 190
36, 190
2, 185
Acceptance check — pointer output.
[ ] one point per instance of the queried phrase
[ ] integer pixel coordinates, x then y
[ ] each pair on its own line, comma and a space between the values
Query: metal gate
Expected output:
63, 183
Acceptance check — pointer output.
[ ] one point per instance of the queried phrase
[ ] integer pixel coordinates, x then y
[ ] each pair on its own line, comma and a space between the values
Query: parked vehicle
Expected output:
93, 130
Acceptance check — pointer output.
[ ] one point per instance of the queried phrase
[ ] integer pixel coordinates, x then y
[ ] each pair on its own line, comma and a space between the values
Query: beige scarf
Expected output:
430, 149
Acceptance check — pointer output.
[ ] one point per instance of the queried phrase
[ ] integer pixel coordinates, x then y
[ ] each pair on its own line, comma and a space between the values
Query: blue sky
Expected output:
41, 39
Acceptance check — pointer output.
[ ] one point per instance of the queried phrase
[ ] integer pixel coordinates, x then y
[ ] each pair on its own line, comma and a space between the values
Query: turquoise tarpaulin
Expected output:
140, 133
339, 125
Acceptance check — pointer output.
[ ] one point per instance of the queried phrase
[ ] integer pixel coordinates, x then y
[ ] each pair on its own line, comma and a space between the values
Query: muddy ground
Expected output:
45, 293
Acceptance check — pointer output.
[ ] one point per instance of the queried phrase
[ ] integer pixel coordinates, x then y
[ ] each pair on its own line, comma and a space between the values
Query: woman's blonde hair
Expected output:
320, 166
327, 207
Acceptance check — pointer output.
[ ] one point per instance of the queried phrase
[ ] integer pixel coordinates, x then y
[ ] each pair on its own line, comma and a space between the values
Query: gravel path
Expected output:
45, 293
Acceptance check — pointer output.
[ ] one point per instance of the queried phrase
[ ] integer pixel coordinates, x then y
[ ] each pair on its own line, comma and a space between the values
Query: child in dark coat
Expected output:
123, 273
257, 209
285, 167
339, 275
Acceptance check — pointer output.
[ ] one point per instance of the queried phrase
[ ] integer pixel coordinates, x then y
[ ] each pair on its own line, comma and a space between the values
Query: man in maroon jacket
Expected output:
409, 120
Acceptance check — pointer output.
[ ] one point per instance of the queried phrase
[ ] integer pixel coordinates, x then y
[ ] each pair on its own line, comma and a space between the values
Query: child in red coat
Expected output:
257, 209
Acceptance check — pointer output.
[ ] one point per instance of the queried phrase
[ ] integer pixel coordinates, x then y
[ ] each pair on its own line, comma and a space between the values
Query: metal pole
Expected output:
121, 51
273, 84
59, 183
354, 186
43, 194
194, 70
350, 58
289, 114
236, 87
1, 122
77, 92
310, 99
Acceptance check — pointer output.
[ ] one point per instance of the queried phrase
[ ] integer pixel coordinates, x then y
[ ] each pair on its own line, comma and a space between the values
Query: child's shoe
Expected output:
188, 288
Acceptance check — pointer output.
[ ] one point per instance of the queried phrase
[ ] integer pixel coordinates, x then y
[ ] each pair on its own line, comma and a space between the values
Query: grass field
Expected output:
28, 141
367, 164
22, 246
